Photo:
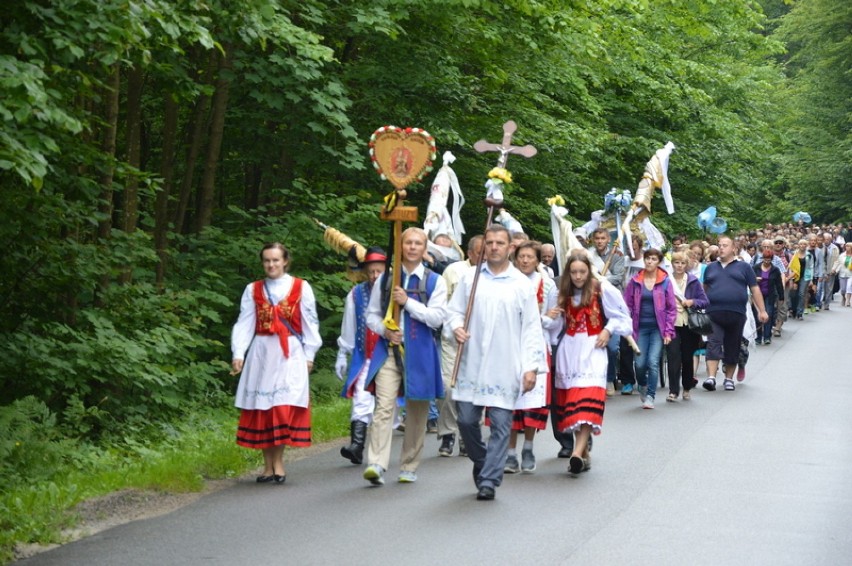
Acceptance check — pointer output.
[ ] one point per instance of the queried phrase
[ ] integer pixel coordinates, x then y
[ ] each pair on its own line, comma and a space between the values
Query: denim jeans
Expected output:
797, 298
648, 364
433, 411
612, 357
818, 293
764, 331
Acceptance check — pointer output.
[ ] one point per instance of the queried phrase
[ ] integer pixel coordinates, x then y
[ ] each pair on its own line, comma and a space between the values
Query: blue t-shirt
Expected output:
647, 314
727, 287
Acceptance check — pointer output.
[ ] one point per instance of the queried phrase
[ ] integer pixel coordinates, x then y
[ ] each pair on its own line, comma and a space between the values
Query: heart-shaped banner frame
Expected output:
402, 155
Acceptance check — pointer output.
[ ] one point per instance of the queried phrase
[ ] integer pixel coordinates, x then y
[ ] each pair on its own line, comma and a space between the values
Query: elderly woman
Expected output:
279, 329
802, 270
771, 285
531, 411
689, 293
651, 303
843, 268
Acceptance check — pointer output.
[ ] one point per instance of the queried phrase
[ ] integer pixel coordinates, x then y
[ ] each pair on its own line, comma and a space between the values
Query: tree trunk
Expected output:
167, 169
111, 97
204, 214
253, 176
108, 149
130, 213
196, 127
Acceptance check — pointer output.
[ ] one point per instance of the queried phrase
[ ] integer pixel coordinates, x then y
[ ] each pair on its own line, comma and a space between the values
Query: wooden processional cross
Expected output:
491, 201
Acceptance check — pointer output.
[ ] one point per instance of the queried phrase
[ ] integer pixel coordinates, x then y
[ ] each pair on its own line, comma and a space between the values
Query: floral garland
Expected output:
556, 200
501, 174
433, 148
497, 177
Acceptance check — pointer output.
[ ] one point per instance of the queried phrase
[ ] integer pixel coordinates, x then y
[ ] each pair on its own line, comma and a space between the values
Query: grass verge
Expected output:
181, 459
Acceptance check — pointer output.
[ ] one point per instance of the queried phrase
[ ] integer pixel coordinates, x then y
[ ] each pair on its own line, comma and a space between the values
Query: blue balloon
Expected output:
718, 226
706, 218
802, 217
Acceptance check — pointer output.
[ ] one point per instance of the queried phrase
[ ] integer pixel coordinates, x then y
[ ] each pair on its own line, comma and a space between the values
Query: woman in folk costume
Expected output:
531, 411
278, 327
357, 342
594, 311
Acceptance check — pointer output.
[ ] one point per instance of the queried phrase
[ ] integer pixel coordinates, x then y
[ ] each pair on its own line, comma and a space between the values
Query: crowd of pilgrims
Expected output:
588, 321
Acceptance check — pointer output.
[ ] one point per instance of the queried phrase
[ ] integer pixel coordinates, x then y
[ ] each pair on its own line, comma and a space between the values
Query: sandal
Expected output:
671, 398
729, 385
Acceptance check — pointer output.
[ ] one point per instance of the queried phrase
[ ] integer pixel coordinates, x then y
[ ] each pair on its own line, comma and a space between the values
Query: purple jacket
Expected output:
665, 303
695, 291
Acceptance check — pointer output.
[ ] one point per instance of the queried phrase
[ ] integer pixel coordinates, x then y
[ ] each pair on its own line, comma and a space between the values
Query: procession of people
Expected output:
520, 332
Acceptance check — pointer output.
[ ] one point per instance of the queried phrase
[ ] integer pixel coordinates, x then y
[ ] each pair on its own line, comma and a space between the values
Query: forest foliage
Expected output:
149, 147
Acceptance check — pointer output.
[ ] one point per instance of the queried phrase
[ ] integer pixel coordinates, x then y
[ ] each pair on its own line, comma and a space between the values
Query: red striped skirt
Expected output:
580, 405
532, 418
283, 424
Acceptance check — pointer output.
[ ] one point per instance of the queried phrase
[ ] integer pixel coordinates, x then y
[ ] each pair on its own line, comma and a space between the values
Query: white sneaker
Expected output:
374, 474
406, 477
643, 394
649, 403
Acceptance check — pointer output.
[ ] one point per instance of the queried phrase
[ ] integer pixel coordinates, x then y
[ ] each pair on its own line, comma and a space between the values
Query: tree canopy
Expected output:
149, 147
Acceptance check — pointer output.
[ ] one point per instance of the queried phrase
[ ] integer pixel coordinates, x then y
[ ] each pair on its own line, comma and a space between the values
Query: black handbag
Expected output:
699, 321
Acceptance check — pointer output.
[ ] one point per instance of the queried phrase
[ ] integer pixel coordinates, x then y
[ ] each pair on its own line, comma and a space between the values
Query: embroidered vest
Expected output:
589, 319
283, 319
422, 361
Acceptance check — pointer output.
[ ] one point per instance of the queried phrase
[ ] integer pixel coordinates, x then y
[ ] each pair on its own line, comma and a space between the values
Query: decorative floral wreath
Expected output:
501, 174
433, 149
618, 202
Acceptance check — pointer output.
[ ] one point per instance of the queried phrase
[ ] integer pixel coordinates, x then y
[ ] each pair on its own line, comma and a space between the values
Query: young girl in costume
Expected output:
594, 311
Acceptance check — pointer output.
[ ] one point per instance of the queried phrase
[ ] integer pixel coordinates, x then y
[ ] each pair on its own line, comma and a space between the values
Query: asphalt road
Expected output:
756, 476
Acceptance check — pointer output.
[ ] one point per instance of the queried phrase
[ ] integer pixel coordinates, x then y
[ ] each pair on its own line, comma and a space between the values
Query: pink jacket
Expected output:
665, 304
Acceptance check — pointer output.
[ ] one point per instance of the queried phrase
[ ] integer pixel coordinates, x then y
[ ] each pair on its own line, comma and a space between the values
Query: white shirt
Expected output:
431, 314
505, 336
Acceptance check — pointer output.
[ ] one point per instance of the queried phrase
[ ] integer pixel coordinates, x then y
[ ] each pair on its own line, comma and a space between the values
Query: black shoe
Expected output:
279, 479
485, 493
565, 453
462, 448
432, 425
576, 465
265, 479
447, 442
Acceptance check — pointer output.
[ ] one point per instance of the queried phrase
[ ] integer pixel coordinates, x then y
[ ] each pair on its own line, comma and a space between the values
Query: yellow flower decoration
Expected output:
500, 173
557, 200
